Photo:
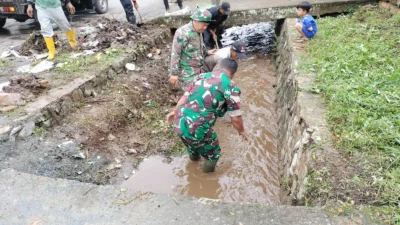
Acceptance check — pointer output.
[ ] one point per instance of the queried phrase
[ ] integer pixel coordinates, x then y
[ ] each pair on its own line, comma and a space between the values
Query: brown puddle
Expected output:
246, 172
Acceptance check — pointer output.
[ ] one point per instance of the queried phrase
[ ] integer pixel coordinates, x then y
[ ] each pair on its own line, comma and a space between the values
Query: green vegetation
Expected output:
4, 63
357, 62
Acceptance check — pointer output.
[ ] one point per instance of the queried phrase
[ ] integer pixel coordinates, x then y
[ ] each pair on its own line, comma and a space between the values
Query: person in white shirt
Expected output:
236, 51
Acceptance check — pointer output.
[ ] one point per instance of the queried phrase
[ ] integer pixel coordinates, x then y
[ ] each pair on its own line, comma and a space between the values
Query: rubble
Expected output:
42, 66
7, 99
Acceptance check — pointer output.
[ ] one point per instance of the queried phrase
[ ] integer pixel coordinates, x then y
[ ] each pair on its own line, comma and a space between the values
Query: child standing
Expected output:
306, 26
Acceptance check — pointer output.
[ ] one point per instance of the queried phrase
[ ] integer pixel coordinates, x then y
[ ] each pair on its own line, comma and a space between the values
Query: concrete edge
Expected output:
301, 114
242, 17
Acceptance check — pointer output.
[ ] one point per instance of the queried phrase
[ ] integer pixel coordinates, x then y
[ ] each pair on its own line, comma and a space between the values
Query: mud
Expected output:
246, 172
27, 86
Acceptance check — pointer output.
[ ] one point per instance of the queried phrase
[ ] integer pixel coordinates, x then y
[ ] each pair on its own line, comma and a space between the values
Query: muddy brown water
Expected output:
246, 172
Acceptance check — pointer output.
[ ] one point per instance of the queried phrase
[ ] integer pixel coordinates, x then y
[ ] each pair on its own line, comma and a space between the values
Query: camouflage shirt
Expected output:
209, 97
188, 53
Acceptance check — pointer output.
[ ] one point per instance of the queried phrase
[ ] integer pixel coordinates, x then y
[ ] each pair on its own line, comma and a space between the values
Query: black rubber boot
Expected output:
194, 157
209, 166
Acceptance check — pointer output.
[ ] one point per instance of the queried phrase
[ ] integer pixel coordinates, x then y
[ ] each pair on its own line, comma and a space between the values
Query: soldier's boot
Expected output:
71, 38
51, 47
209, 166
194, 157
132, 19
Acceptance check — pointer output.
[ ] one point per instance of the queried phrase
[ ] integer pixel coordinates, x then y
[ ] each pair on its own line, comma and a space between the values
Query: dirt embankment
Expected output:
107, 135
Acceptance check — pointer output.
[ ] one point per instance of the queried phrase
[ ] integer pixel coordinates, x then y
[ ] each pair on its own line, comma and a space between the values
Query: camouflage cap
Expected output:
202, 15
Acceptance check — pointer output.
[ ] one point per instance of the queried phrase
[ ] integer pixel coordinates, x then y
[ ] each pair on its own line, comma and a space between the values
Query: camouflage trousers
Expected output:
209, 148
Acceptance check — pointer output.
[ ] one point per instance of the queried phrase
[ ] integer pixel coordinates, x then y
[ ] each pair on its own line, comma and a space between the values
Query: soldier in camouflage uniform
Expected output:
188, 50
209, 97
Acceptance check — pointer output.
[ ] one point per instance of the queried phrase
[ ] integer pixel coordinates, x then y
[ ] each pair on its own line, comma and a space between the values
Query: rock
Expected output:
150, 55
134, 172
8, 99
118, 166
132, 151
28, 130
126, 176
130, 66
42, 66
8, 108
79, 172
4, 133
65, 144
111, 137
15, 130
80, 155
44, 83
117, 161
77, 95
158, 52
3, 85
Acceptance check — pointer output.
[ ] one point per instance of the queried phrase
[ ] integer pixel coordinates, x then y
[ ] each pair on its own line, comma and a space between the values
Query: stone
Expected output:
44, 83
132, 151
4, 133
126, 176
15, 130
8, 99
80, 155
28, 130
77, 95
150, 55
8, 108
111, 137
111, 74
117, 161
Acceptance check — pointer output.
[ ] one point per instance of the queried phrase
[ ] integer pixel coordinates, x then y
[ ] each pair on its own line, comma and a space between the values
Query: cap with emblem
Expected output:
202, 15
240, 48
226, 7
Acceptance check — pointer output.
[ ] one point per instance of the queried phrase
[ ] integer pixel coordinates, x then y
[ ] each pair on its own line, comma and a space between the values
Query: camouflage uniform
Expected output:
209, 97
188, 50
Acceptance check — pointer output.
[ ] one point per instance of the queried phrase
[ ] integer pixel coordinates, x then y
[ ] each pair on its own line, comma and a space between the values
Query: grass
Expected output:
357, 62
4, 63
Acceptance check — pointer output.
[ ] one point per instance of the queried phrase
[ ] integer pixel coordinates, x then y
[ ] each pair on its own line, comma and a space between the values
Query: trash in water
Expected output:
258, 37
42, 66
24, 69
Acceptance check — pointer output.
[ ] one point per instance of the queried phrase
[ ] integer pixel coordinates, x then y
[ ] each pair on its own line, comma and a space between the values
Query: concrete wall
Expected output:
242, 17
301, 117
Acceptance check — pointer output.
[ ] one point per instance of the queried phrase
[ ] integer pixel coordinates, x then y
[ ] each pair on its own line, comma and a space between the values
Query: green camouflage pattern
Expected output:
188, 52
202, 15
209, 97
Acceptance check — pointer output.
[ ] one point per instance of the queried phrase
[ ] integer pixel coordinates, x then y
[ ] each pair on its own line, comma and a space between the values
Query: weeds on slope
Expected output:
357, 62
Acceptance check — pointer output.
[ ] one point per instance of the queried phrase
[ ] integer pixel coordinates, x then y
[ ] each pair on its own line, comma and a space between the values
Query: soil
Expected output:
109, 134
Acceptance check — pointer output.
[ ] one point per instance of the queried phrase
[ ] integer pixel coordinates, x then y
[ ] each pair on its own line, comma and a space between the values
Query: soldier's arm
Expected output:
176, 53
232, 100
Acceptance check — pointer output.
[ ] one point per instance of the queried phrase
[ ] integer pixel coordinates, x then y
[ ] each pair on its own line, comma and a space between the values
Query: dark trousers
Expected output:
166, 4
128, 7
209, 40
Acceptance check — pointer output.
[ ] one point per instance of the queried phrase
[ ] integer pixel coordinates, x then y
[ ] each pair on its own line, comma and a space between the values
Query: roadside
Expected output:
356, 59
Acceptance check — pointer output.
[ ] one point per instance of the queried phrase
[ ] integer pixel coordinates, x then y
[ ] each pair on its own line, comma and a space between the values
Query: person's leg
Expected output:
299, 28
128, 7
208, 40
190, 148
211, 151
57, 15
166, 4
180, 4
47, 31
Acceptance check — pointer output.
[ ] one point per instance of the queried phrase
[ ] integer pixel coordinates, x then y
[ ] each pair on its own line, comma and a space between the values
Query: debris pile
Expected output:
27, 86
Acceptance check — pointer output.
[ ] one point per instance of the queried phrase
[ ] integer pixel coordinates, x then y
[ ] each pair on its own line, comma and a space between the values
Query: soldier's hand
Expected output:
170, 117
136, 5
212, 51
29, 11
71, 8
173, 80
